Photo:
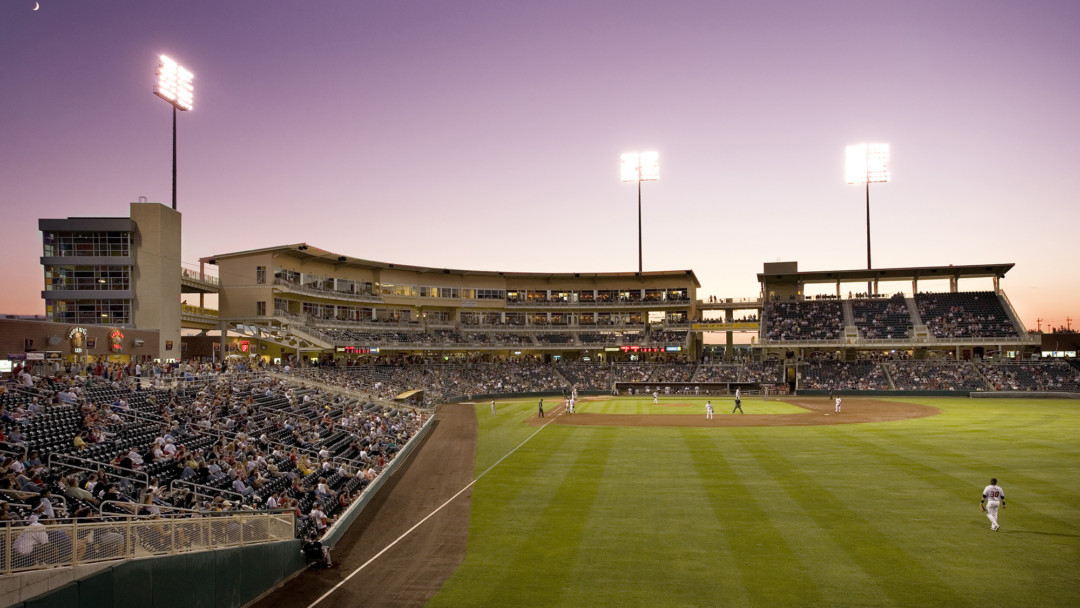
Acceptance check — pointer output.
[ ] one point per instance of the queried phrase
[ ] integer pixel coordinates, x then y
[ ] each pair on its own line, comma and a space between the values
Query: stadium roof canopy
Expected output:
971, 271
303, 250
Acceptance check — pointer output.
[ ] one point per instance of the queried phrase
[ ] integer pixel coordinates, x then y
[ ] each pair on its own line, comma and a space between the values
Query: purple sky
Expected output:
487, 135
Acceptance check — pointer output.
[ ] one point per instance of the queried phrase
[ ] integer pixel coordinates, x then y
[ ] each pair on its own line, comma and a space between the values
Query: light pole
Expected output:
174, 86
866, 164
640, 167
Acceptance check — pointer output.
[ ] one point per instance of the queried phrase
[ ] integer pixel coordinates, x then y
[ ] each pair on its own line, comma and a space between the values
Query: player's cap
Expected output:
993, 481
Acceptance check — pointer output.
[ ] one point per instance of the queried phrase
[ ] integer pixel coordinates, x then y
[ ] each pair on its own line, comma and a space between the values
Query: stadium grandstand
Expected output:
294, 398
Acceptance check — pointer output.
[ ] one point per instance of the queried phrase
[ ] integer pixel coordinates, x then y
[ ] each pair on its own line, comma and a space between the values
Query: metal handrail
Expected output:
133, 537
109, 467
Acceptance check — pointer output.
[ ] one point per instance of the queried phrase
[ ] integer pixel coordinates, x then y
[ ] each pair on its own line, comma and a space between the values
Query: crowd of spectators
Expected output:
964, 315
668, 336
717, 372
122, 440
934, 376
882, 319
805, 320
673, 372
587, 376
841, 375
1052, 376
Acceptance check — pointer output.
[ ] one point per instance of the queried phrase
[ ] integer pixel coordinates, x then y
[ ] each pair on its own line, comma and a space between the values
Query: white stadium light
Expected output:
174, 84
640, 166
867, 163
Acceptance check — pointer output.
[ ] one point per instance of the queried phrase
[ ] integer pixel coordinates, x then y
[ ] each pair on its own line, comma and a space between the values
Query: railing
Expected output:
755, 301
78, 542
212, 494
197, 310
326, 293
195, 274
607, 304
899, 341
94, 466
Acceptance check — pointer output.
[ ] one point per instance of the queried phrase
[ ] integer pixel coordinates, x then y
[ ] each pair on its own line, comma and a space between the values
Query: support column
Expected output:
729, 354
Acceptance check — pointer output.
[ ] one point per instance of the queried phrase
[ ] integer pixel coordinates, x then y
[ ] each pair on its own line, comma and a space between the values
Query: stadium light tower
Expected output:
640, 167
174, 86
867, 164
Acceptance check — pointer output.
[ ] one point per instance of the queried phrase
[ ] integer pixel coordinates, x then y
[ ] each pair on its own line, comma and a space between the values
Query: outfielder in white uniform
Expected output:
655, 398
837, 404
708, 410
492, 407
993, 498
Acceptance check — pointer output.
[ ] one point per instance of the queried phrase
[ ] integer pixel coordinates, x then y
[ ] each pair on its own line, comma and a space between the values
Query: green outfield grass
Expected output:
882, 514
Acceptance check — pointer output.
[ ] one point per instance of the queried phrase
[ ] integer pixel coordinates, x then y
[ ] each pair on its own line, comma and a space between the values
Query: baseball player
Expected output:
708, 410
492, 407
838, 404
993, 497
655, 397
541, 408
738, 403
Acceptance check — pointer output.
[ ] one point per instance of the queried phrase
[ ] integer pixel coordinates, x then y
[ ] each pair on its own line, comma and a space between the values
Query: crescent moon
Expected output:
37, 5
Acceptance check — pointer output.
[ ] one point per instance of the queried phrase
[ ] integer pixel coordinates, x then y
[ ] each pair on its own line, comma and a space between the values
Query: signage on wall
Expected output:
77, 338
358, 350
245, 346
116, 341
168, 344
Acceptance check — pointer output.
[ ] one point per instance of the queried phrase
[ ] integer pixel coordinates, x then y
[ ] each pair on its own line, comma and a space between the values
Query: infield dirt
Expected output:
818, 411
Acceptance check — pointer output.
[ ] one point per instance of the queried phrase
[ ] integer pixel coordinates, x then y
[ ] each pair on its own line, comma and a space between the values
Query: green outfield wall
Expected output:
223, 578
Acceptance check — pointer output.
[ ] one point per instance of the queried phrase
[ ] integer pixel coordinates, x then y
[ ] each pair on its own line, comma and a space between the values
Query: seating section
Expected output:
804, 320
842, 375
934, 376
882, 319
109, 447
1052, 376
714, 372
977, 314
586, 376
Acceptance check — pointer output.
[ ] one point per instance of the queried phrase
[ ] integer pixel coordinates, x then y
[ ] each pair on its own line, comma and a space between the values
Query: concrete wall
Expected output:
156, 274
239, 290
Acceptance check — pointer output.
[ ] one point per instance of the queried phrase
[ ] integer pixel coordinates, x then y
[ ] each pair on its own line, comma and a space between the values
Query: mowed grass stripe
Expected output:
761, 549
529, 511
650, 536
821, 563
556, 536
942, 507
868, 539
968, 472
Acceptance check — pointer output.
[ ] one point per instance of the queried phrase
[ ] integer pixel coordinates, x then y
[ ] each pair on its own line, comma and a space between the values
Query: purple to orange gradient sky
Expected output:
487, 135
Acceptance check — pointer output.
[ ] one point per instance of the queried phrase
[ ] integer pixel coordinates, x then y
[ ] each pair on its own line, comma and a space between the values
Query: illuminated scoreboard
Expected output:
633, 348
358, 350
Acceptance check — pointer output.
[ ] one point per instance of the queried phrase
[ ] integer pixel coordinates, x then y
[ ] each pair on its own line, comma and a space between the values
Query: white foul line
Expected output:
429, 516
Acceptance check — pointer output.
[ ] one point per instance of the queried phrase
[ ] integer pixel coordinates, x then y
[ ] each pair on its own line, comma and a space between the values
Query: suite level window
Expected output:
260, 309
260, 275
